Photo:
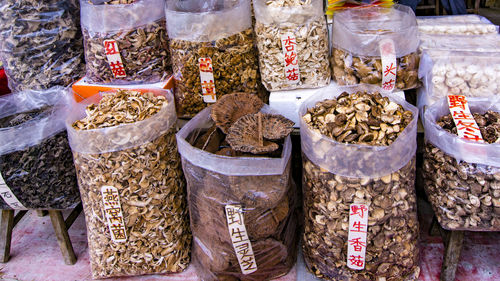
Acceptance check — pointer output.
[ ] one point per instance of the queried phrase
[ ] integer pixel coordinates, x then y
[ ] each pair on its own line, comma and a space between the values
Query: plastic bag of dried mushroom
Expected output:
36, 165
131, 182
213, 53
462, 177
40, 43
241, 196
293, 44
376, 45
359, 147
125, 41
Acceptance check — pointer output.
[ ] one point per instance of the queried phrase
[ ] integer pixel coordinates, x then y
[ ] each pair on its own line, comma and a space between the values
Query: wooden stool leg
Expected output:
41, 213
62, 236
452, 251
6, 226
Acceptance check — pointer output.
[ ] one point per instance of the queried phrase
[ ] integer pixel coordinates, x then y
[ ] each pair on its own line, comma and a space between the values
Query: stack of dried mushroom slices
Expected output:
357, 150
127, 142
140, 33
464, 194
255, 148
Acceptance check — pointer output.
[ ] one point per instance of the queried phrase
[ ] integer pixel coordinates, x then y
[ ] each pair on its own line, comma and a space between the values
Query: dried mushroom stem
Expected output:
144, 53
261, 139
348, 69
235, 69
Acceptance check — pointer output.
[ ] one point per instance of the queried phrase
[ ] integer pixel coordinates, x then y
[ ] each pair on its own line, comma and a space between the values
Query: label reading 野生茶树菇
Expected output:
207, 80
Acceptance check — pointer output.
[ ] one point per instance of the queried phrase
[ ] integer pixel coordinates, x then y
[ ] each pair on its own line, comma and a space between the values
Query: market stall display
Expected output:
125, 42
292, 38
377, 46
40, 43
236, 156
456, 24
213, 53
470, 73
131, 182
461, 176
36, 165
359, 162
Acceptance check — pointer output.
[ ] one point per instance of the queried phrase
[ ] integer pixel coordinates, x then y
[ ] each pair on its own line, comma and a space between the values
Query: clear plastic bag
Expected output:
336, 175
474, 43
462, 178
456, 24
356, 54
264, 188
36, 165
139, 30
307, 23
40, 43
141, 161
472, 74
223, 34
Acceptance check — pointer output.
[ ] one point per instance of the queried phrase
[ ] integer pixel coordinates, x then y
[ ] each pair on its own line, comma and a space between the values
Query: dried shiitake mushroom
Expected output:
230, 108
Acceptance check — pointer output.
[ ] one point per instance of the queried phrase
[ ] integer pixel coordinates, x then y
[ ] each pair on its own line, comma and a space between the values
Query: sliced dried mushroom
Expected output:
229, 108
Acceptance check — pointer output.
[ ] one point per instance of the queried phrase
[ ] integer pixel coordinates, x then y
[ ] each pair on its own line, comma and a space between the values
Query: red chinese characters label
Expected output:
9, 197
356, 244
113, 213
207, 80
467, 127
239, 237
389, 67
114, 59
289, 46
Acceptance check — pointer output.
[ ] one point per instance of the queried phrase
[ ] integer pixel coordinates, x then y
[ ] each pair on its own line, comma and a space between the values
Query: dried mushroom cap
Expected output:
276, 127
230, 108
121, 107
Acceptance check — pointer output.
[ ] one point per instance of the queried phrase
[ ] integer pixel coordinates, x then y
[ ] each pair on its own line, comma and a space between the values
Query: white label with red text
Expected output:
289, 46
467, 127
356, 243
9, 197
207, 80
113, 213
389, 67
239, 237
114, 58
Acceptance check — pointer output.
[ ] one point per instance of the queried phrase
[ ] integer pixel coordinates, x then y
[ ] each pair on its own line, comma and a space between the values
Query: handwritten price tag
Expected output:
289, 47
389, 67
207, 80
358, 226
239, 237
114, 214
467, 127
9, 197
114, 58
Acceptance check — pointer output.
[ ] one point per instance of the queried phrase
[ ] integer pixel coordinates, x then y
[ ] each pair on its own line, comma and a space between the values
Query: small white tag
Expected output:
289, 47
239, 237
207, 80
467, 127
389, 67
356, 242
114, 214
9, 197
114, 58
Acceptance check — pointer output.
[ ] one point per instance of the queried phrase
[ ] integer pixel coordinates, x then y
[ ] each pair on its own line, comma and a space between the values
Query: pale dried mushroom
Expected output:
229, 108
151, 186
464, 196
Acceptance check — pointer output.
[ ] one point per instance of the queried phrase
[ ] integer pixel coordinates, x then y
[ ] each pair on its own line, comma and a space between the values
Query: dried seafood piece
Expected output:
151, 186
359, 118
350, 70
40, 43
235, 69
231, 107
391, 252
464, 196
248, 133
312, 53
144, 54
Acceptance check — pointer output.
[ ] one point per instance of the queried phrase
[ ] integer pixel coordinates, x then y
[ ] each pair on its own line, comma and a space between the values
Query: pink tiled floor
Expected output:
35, 256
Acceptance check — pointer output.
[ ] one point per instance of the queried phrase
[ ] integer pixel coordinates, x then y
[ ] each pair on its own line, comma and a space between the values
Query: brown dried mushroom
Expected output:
248, 133
230, 108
